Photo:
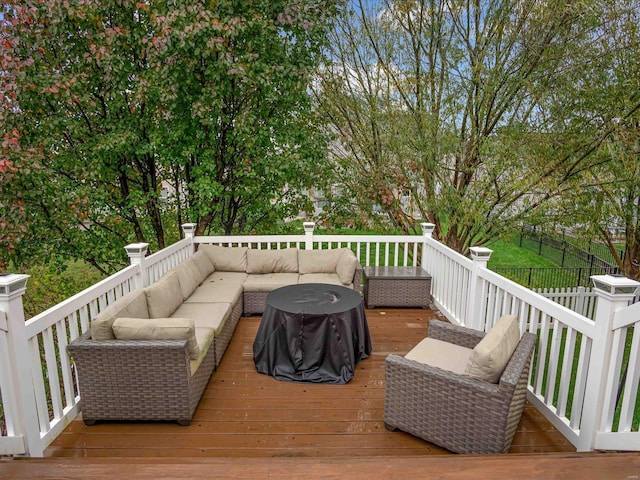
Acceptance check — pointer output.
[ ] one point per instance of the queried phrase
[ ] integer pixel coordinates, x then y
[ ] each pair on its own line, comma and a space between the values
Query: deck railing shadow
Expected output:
584, 377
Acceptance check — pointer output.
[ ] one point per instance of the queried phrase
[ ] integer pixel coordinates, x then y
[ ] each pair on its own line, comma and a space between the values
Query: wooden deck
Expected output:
246, 414
252, 426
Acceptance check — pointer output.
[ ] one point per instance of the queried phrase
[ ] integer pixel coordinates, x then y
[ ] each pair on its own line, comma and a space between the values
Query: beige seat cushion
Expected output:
272, 261
346, 266
219, 292
330, 278
491, 355
205, 315
226, 259
133, 304
204, 265
226, 277
164, 296
318, 261
269, 281
444, 355
126, 328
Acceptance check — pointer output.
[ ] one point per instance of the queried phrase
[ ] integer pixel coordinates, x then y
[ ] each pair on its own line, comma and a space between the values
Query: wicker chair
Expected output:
458, 412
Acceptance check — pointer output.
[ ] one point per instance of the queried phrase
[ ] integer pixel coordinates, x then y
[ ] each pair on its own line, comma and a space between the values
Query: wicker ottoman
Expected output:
397, 287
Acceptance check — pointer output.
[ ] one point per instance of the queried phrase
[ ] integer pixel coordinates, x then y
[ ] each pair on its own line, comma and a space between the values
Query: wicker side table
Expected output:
397, 287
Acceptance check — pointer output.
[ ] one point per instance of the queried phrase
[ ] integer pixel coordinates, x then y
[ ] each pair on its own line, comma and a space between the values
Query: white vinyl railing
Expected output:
581, 364
572, 382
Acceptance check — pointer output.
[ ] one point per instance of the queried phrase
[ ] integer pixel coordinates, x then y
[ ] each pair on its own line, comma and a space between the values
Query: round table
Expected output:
312, 332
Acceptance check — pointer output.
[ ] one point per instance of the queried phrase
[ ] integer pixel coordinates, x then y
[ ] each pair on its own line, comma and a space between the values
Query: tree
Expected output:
448, 102
605, 200
109, 101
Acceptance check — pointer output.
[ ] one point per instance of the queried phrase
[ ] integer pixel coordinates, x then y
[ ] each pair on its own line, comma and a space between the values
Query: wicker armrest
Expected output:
447, 332
357, 278
519, 361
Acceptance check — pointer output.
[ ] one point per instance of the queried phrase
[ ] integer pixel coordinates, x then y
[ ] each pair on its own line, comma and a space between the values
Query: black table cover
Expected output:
314, 333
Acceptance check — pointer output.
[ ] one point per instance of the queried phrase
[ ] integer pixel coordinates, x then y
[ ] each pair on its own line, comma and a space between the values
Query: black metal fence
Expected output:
576, 264
567, 253
551, 277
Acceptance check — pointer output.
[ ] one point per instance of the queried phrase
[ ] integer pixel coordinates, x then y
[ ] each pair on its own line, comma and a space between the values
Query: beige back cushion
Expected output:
204, 265
188, 275
226, 259
133, 304
491, 355
318, 261
164, 296
272, 261
125, 328
346, 266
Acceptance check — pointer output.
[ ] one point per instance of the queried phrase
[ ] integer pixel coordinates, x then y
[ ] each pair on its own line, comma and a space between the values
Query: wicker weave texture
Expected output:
254, 302
398, 292
458, 412
221, 342
138, 379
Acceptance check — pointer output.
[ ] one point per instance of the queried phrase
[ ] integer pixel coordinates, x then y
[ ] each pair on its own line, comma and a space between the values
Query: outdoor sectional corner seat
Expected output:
149, 355
460, 388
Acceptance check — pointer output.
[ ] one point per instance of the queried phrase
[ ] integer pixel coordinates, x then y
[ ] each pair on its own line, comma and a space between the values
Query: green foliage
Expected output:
105, 103
51, 284
457, 107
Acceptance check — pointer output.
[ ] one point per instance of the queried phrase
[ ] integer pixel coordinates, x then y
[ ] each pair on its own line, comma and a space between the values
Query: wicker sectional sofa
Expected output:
149, 355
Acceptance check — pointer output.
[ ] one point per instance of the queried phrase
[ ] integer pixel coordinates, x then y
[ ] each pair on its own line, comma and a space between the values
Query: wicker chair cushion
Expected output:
218, 291
444, 355
133, 304
188, 275
269, 281
203, 263
126, 328
272, 261
318, 261
330, 278
164, 296
227, 259
491, 355
346, 266
205, 315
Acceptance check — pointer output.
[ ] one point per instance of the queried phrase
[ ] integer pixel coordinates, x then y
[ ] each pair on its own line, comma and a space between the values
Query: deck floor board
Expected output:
246, 414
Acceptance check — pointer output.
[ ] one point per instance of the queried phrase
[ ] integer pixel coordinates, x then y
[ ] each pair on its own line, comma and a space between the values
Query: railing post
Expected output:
480, 257
189, 230
427, 232
23, 419
308, 233
137, 253
613, 293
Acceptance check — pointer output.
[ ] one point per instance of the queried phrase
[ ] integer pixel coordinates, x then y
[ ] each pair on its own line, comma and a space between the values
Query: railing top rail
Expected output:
368, 238
449, 252
627, 316
572, 319
44, 320
248, 238
167, 251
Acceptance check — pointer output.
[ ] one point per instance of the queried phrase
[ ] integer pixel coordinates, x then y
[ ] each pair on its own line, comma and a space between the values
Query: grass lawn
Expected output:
510, 255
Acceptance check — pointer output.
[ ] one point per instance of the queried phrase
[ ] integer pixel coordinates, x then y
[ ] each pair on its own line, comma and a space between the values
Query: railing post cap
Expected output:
480, 253
309, 226
136, 248
615, 285
12, 284
189, 227
428, 227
